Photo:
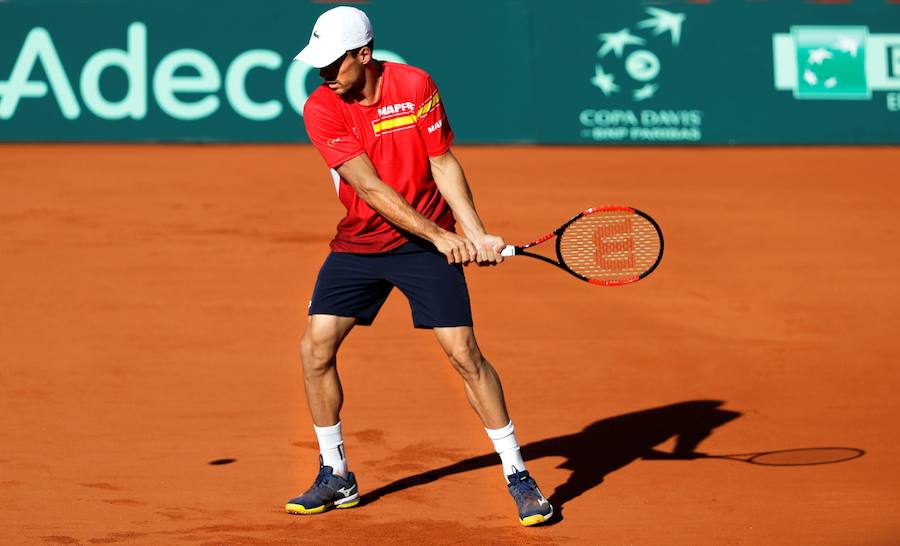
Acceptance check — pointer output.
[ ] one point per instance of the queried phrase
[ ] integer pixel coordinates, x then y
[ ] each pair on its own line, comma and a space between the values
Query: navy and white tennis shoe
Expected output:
533, 507
328, 491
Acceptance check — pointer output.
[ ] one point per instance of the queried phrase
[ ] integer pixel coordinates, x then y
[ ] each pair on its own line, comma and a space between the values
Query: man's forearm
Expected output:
392, 207
361, 175
451, 181
388, 203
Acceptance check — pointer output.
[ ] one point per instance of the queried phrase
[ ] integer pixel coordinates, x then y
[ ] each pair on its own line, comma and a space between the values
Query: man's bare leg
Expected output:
318, 352
335, 486
482, 384
485, 394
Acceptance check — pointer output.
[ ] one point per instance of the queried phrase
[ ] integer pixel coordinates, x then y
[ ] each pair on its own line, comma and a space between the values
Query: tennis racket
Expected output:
607, 245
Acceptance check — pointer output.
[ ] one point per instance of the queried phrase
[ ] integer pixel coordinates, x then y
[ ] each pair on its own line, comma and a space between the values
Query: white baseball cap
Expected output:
336, 31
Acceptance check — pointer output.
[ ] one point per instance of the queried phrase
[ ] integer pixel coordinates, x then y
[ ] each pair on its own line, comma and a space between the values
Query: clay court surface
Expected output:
152, 300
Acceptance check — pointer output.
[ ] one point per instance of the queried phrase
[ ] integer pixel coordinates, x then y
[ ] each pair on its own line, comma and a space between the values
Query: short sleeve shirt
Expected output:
399, 133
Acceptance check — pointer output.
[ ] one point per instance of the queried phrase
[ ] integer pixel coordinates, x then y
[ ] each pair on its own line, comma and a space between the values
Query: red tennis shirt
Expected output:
399, 133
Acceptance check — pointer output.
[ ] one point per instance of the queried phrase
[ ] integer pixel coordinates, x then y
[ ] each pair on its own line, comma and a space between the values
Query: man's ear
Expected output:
365, 55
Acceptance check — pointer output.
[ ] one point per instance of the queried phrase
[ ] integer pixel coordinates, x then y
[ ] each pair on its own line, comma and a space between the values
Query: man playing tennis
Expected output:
382, 129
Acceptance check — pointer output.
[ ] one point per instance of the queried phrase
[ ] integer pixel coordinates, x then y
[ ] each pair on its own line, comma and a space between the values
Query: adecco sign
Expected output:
169, 90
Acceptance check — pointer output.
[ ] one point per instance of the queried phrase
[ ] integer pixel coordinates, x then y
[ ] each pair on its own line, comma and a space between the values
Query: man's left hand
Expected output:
488, 248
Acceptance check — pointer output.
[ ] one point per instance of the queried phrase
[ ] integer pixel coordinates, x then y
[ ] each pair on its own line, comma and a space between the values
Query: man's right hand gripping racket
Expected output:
607, 245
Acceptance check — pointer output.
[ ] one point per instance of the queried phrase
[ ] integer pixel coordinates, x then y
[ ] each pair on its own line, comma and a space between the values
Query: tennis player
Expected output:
382, 129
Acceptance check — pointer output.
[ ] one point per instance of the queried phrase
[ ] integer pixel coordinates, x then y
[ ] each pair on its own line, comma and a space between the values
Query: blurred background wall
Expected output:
510, 71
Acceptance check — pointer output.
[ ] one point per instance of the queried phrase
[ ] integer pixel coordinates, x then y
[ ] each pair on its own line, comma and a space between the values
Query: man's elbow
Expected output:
371, 185
440, 162
366, 189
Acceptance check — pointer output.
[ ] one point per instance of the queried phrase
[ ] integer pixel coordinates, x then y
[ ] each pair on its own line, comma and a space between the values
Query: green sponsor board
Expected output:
576, 71
685, 73
223, 70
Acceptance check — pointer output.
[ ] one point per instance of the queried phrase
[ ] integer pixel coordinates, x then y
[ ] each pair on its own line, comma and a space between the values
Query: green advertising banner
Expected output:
736, 72
575, 71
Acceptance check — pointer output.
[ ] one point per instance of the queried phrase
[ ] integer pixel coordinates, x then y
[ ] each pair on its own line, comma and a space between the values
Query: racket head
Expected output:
610, 245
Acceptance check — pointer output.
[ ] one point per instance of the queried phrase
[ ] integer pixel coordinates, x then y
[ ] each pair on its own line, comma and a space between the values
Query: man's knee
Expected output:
468, 360
317, 353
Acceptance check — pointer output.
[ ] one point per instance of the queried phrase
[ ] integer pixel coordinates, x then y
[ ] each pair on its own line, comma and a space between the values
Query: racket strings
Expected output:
612, 245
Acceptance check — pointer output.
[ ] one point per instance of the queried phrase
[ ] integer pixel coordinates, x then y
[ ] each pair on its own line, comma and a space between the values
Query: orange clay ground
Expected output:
152, 299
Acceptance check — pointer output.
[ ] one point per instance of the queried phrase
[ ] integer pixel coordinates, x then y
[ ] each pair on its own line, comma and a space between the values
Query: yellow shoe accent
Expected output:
532, 520
302, 510
350, 504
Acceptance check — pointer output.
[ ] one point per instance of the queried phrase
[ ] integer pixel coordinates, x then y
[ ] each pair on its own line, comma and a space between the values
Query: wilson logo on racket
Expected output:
615, 246
607, 245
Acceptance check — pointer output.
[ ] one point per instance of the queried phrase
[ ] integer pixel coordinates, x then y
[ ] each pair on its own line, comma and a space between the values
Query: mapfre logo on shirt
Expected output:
399, 108
395, 117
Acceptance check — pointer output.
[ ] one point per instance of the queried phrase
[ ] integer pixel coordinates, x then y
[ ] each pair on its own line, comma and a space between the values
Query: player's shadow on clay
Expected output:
600, 449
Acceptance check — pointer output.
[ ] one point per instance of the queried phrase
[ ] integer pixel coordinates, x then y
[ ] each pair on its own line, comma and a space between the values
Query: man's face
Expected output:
344, 74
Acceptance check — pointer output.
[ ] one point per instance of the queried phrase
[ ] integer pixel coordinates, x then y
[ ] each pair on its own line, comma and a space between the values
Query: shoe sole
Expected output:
300, 510
536, 519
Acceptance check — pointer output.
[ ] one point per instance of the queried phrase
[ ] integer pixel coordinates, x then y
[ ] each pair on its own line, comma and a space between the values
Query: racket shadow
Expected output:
598, 450
803, 456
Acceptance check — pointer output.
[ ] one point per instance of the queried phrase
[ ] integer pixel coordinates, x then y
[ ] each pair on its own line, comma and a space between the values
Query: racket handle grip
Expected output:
508, 251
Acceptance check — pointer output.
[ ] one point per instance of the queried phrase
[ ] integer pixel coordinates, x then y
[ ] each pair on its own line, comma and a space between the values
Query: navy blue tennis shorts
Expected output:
357, 285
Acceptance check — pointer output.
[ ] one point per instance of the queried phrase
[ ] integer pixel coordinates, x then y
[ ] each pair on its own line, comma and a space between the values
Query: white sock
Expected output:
331, 446
506, 445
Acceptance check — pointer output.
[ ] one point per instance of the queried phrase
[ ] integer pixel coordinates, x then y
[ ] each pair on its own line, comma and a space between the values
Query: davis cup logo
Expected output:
628, 71
641, 65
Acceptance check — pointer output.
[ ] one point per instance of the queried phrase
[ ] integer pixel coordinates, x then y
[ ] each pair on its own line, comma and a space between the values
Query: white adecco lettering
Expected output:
169, 90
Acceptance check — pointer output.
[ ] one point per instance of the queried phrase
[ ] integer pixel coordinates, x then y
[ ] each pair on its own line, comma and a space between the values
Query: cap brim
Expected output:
319, 55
